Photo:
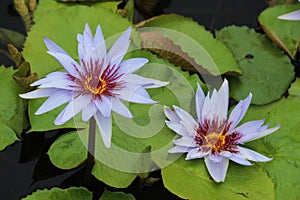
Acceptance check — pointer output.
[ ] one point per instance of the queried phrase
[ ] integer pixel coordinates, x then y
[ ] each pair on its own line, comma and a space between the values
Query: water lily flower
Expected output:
97, 85
214, 136
295, 15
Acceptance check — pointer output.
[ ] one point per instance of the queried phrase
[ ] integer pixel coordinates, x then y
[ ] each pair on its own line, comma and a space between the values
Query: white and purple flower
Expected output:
214, 136
295, 15
97, 85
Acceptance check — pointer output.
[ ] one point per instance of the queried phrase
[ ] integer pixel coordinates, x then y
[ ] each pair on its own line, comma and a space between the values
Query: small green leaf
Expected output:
61, 194
7, 136
68, 151
107, 195
9, 101
190, 180
266, 71
285, 33
209, 53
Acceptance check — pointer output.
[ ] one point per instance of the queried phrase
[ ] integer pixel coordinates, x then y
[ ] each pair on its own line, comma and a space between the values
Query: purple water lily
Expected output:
214, 136
97, 85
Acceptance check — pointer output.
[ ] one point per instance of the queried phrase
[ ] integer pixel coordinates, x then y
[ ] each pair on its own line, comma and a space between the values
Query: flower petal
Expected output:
58, 98
240, 160
142, 81
105, 126
217, 170
199, 103
171, 115
67, 62
104, 106
239, 111
88, 111
178, 128
180, 149
185, 141
186, 120
54, 47
295, 15
249, 154
54, 76
39, 93
195, 153
118, 50
135, 94
219, 102
120, 108
131, 65
74, 107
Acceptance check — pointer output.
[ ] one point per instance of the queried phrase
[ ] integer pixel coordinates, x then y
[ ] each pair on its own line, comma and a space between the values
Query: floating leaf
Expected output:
284, 33
266, 71
67, 151
283, 145
7, 136
61, 194
190, 180
107, 195
194, 40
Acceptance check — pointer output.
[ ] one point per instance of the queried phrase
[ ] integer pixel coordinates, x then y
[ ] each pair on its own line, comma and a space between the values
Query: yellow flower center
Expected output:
97, 87
215, 141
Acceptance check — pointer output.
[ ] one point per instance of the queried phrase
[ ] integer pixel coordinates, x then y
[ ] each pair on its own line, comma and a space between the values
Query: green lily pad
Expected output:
266, 71
190, 180
207, 52
283, 145
107, 195
67, 151
12, 109
61, 194
284, 33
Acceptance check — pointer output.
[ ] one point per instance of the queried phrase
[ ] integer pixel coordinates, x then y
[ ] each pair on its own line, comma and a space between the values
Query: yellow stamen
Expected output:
97, 89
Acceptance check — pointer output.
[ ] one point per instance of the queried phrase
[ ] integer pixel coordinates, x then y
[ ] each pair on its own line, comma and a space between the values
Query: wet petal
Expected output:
240, 160
120, 108
55, 100
131, 65
217, 170
105, 126
239, 111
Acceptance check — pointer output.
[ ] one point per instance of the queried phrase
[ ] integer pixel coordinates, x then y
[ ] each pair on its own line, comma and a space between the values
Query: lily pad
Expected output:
208, 53
61, 194
266, 70
68, 151
284, 33
283, 145
107, 195
12, 112
190, 180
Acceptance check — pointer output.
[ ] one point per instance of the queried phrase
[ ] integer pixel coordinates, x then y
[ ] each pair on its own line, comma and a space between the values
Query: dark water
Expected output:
25, 166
